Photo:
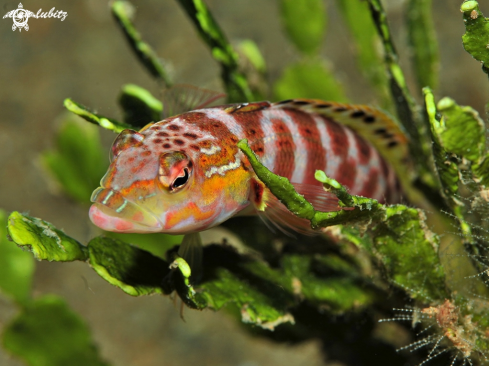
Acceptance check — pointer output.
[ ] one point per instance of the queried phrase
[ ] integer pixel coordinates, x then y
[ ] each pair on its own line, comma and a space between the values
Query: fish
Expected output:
185, 174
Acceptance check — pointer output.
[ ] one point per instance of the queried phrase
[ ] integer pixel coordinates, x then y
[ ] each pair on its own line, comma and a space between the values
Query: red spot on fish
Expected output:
192, 136
166, 146
138, 216
131, 159
146, 153
157, 141
258, 192
195, 147
122, 225
174, 128
163, 134
179, 142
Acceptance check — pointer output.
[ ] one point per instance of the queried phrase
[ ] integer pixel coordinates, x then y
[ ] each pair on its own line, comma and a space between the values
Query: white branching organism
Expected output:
444, 330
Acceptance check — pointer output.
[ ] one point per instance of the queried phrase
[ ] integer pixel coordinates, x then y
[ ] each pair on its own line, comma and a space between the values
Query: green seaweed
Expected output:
364, 34
48, 333
476, 35
88, 115
123, 12
309, 78
16, 267
43, 239
235, 81
422, 39
78, 161
305, 23
139, 106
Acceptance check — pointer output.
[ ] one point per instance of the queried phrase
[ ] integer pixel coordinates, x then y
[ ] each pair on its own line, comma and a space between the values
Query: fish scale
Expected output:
186, 174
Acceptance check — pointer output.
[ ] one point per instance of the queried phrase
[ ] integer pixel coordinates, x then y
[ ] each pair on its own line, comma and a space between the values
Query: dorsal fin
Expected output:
373, 125
181, 98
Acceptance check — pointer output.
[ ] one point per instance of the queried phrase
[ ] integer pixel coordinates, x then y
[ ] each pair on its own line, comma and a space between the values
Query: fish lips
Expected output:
112, 212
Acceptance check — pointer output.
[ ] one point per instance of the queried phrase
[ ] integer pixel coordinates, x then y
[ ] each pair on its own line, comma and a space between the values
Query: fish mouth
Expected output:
111, 211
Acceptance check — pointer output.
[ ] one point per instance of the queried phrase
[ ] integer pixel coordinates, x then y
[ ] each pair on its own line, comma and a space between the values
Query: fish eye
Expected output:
180, 181
175, 171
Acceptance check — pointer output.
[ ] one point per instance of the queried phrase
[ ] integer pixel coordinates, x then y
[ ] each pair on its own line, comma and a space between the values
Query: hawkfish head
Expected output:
181, 175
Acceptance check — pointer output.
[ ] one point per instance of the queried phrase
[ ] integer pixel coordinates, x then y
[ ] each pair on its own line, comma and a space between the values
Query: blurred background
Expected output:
85, 57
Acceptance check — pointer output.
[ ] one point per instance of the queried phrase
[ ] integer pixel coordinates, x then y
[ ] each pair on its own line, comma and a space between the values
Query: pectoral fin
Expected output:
272, 211
191, 250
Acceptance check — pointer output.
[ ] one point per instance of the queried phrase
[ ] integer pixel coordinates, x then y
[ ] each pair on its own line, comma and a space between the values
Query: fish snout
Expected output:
111, 211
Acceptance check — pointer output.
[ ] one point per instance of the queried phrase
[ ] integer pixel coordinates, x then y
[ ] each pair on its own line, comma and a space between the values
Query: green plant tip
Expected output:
469, 6
323, 178
445, 103
183, 266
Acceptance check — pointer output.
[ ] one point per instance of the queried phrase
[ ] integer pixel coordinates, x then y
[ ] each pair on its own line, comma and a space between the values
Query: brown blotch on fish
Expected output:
369, 119
216, 124
357, 114
392, 144
163, 134
323, 105
195, 147
252, 132
157, 141
146, 153
234, 139
259, 150
340, 109
192, 136
380, 131
258, 190
388, 135
300, 102
174, 128
166, 146
179, 142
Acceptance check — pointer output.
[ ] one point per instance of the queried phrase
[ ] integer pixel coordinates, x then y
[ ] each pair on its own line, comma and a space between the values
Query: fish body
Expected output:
186, 174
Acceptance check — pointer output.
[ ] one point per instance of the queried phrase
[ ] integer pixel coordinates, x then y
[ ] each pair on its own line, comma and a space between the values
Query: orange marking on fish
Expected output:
191, 210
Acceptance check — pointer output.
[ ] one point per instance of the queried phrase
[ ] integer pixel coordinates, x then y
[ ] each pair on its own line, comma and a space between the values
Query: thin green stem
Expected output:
122, 12
235, 81
88, 115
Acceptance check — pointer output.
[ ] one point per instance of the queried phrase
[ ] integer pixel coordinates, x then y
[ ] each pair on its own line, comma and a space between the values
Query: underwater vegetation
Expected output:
420, 267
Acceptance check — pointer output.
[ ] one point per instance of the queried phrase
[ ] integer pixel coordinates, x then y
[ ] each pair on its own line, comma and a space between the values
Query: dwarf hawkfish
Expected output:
186, 174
